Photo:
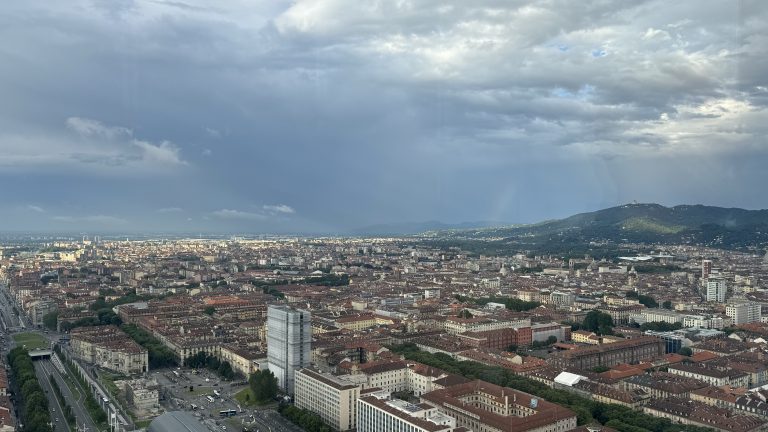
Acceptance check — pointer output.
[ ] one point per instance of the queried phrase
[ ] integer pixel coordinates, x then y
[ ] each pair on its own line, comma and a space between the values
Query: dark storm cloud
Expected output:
326, 115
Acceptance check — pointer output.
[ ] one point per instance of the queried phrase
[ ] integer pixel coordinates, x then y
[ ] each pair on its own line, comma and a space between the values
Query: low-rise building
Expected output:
711, 375
484, 407
691, 412
626, 351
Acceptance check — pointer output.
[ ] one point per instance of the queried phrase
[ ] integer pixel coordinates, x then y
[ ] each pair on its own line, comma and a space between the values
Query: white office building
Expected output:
376, 412
333, 398
289, 339
745, 312
716, 289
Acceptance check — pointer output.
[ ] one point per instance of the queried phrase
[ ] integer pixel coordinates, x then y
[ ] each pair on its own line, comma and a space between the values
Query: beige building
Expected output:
243, 361
331, 397
110, 348
456, 325
386, 375
356, 322
484, 407
586, 337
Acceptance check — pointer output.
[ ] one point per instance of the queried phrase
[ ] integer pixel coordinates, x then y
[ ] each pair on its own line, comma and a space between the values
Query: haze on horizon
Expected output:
324, 116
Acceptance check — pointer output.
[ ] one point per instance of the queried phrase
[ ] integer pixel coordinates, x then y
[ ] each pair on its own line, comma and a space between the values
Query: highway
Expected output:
76, 400
43, 368
57, 411
10, 322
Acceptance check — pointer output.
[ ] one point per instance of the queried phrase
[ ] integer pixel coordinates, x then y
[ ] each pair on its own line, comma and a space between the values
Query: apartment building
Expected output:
713, 376
657, 315
110, 348
744, 312
716, 290
391, 376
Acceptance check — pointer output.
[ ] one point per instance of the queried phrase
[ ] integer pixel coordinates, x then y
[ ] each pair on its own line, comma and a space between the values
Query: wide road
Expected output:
76, 400
10, 321
57, 416
272, 421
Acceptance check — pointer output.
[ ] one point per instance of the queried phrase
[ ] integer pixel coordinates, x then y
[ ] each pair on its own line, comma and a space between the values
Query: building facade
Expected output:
626, 351
376, 412
716, 289
289, 340
484, 407
110, 348
332, 398
743, 313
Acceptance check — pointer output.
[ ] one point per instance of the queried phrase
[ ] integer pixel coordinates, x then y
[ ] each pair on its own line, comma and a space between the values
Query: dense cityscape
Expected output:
374, 334
384, 216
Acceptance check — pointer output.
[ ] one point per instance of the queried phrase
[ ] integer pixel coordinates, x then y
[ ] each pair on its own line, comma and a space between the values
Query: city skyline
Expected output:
307, 117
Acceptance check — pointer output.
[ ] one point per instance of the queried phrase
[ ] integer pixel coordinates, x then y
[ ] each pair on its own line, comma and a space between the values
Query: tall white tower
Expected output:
289, 343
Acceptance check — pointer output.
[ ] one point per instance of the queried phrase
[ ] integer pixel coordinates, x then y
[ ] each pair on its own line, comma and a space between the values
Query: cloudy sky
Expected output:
326, 115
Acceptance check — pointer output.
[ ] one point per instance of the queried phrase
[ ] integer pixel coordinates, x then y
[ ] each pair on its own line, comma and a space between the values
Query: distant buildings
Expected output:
289, 338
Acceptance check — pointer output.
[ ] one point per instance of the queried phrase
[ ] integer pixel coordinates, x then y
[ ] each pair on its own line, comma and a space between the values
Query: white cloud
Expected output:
93, 128
93, 148
36, 209
165, 153
237, 214
263, 213
279, 208
653, 33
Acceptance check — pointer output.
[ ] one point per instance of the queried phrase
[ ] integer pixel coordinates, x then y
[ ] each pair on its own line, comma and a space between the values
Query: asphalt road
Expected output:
57, 417
10, 322
272, 421
75, 400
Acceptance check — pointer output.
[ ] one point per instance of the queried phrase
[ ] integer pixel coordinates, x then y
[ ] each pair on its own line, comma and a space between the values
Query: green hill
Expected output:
729, 228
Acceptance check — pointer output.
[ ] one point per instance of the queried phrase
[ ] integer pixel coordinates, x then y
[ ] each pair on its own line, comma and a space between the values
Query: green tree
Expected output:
49, 320
263, 385
647, 301
685, 351
465, 314
598, 322
209, 310
667, 304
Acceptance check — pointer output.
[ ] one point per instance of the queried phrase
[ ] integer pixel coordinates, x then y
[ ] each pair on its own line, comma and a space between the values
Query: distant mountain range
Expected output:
410, 228
731, 228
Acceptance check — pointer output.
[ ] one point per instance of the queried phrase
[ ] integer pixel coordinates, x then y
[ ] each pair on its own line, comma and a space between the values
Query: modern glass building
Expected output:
289, 339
